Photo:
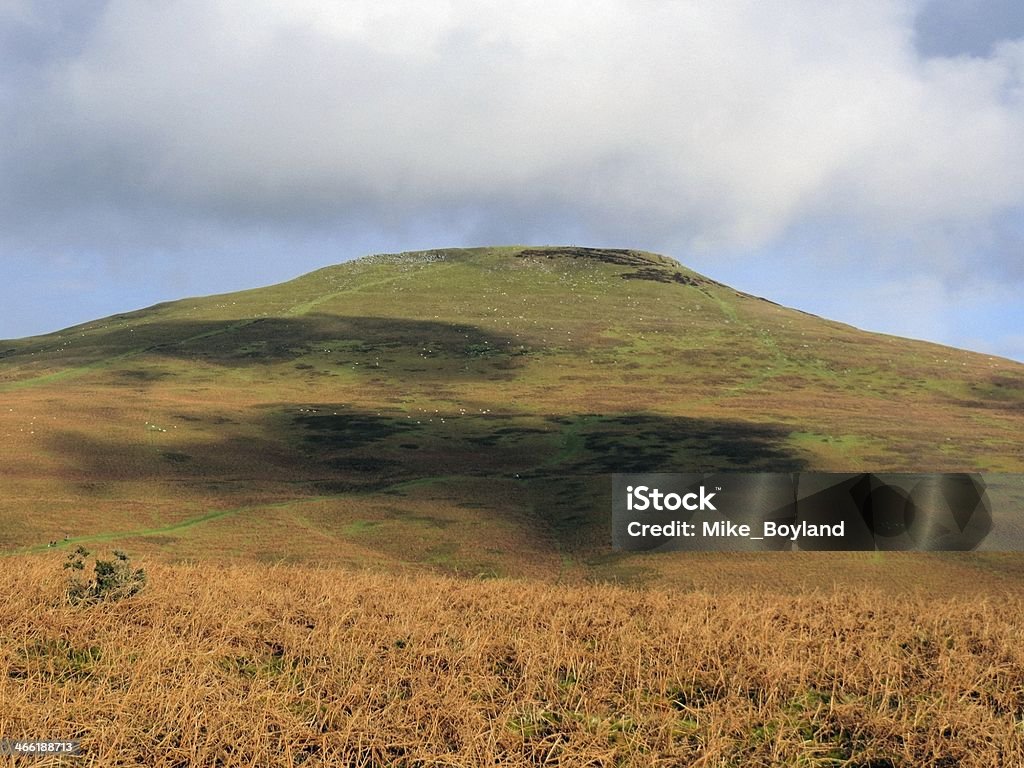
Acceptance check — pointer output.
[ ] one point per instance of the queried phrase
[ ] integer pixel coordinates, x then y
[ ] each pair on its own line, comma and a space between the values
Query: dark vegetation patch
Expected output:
651, 443
176, 457
346, 431
341, 486
985, 405
645, 266
1001, 392
349, 447
619, 256
364, 464
662, 275
142, 376
1013, 384
431, 521
998, 392
505, 434
575, 508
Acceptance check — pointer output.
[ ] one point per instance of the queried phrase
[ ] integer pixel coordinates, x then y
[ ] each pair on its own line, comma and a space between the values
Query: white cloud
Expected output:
715, 124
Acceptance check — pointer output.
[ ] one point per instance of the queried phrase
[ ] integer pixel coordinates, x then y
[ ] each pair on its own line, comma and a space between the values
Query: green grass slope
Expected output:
460, 409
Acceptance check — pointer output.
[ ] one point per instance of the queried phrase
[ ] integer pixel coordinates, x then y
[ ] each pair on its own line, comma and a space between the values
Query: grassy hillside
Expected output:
460, 409
404, 418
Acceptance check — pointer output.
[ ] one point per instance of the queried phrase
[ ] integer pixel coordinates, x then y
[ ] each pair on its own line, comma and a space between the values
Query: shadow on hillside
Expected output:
380, 344
556, 468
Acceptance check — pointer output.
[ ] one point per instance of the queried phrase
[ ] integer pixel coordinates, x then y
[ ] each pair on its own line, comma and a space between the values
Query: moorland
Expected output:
373, 507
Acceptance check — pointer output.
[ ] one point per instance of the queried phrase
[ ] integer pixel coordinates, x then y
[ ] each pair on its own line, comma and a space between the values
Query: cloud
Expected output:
717, 124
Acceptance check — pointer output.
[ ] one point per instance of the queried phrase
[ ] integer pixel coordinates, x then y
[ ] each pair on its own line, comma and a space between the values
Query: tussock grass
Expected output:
285, 666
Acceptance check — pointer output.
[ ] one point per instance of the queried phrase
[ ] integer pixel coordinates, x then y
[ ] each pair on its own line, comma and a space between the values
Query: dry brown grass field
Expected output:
286, 666
374, 507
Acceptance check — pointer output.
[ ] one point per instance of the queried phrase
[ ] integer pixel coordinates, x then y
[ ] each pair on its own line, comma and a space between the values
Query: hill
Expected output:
460, 409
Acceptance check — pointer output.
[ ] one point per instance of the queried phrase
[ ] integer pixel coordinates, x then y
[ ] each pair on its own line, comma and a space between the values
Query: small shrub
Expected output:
112, 579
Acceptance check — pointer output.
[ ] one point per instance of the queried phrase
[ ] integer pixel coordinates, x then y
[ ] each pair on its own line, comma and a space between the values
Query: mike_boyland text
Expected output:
720, 528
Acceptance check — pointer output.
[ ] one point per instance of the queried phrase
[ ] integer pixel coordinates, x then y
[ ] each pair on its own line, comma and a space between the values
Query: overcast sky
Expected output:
862, 160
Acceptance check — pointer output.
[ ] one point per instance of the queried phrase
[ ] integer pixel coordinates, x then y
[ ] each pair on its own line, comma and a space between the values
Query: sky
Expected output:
861, 160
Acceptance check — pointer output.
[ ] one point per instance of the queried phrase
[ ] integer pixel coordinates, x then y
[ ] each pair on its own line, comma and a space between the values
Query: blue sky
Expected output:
860, 160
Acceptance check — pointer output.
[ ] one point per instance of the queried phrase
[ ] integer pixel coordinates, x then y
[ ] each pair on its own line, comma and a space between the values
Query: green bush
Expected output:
112, 580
